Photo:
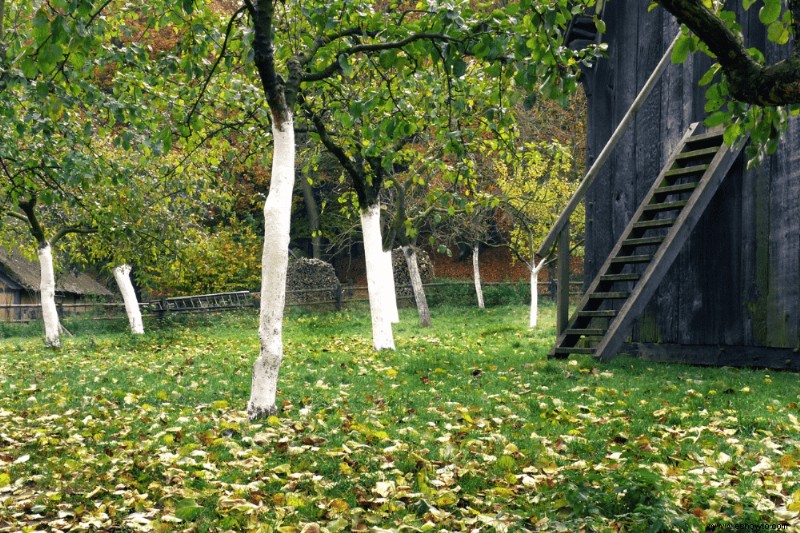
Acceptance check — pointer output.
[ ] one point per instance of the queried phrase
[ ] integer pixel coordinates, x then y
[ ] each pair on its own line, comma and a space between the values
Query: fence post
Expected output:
562, 312
339, 298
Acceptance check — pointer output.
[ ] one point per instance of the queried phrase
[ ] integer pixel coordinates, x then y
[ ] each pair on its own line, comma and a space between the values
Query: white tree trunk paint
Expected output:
476, 274
534, 318
48, 294
424, 312
390, 298
274, 262
122, 274
382, 338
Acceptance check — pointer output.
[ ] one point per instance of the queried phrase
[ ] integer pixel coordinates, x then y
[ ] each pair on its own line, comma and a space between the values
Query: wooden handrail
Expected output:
594, 171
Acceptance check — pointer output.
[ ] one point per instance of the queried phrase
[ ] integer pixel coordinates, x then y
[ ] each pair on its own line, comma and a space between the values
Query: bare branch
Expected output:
334, 67
221, 55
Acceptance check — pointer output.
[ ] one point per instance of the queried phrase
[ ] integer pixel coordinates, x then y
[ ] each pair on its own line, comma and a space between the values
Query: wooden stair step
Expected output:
591, 332
691, 154
683, 171
643, 241
658, 223
619, 295
573, 350
619, 277
628, 259
602, 313
672, 189
665, 206
713, 134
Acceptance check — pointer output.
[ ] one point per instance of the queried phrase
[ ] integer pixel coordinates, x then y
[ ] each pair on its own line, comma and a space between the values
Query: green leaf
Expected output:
41, 26
708, 77
747, 4
600, 25
715, 119
188, 509
49, 56
777, 32
770, 12
732, 133
459, 67
29, 67
682, 48
347, 69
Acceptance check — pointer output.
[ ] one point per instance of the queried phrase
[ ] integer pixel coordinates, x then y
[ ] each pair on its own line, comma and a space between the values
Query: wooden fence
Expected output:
336, 298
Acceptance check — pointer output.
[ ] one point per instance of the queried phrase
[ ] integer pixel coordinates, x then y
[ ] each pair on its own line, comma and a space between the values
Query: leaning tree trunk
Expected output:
382, 338
390, 289
476, 274
416, 284
274, 263
122, 274
534, 318
47, 287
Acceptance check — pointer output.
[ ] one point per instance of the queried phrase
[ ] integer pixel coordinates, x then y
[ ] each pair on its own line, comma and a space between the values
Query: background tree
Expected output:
534, 187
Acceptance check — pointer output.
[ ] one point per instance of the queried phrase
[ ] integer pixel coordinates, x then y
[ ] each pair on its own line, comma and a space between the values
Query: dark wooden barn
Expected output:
732, 293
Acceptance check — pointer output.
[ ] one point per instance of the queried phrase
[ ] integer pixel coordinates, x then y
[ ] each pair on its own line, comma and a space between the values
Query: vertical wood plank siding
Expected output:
737, 281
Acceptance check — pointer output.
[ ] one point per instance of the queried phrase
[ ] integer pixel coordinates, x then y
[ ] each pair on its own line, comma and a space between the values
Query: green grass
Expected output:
466, 426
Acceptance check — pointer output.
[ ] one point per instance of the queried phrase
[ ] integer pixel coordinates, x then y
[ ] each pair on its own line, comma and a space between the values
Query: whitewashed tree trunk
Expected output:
47, 287
382, 338
424, 312
391, 290
122, 274
274, 262
476, 274
534, 318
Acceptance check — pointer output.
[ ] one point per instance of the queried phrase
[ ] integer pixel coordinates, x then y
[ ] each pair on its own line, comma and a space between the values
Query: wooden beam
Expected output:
714, 355
605, 153
562, 296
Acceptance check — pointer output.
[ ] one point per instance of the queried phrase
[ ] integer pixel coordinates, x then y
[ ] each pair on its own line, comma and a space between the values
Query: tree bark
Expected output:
390, 290
476, 274
382, 338
312, 212
122, 274
47, 290
423, 310
274, 263
534, 316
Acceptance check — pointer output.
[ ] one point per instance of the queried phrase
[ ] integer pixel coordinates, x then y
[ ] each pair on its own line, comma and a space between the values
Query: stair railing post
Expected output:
562, 296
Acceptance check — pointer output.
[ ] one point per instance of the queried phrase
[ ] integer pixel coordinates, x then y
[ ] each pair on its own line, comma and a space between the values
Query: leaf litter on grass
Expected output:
466, 427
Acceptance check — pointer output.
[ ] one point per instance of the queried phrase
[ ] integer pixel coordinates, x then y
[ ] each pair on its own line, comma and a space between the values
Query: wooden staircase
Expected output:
648, 246
582, 30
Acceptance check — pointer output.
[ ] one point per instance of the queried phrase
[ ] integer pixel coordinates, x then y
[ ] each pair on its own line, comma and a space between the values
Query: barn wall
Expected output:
737, 281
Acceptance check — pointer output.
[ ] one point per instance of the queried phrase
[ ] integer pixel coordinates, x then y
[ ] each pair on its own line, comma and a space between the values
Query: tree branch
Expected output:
221, 55
63, 232
334, 67
29, 208
749, 81
263, 15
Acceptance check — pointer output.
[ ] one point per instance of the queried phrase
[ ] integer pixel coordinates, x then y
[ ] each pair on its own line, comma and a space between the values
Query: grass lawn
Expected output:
466, 427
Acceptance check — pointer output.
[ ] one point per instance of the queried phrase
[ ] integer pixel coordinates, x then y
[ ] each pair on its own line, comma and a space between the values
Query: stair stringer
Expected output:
665, 255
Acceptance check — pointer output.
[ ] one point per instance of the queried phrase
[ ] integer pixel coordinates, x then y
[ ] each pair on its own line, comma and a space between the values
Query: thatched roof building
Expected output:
19, 286
26, 274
